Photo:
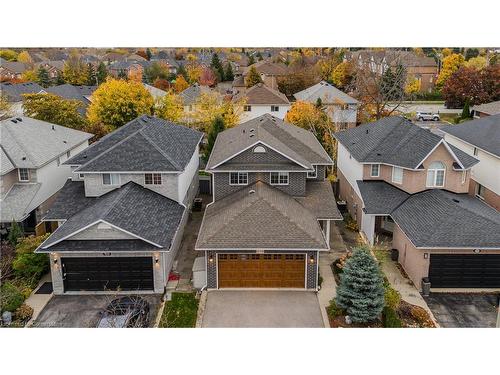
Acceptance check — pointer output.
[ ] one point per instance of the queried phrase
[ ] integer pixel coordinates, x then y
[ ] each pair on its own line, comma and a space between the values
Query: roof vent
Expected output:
366, 131
252, 135
24, 157
251, 191
379, 154
455, 200
65, 141
252, 130
14, 121
19, 119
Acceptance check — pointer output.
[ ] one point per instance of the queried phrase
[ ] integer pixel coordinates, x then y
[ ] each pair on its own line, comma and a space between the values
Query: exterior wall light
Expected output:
55, 260
156, 260
211, 258
477, 251
426, 255
311, 259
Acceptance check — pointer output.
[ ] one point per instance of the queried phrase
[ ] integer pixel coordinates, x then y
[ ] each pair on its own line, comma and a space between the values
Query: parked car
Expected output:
125, 312
424, 116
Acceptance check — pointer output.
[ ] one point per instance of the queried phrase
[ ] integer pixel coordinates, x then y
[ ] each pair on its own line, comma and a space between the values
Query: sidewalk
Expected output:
38, 301
329, 286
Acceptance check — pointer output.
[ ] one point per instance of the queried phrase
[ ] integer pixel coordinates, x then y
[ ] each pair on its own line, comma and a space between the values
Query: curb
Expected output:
159, 315
201, 309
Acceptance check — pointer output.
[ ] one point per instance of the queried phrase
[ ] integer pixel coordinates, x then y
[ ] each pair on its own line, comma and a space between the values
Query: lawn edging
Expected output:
201, 309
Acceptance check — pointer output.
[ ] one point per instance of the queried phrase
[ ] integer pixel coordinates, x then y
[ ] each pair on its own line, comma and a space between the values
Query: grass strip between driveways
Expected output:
180, 312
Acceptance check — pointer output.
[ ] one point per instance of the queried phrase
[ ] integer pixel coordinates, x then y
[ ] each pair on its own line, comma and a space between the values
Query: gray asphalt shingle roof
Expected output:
15, 205
483, 133
70, 200
295, 143
320, 201
259, 216
80, 93
492, 108
325, 91
14, 91
438, 218
133, 246
133, 208
396, 141
31, 143
379, 197
190, 95
144, 144
261, 94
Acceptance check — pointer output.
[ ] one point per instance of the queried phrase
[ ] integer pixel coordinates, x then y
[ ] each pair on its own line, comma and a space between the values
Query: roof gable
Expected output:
261, 94
325, 91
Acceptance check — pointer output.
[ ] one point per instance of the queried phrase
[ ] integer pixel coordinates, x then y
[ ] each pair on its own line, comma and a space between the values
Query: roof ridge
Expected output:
150, 141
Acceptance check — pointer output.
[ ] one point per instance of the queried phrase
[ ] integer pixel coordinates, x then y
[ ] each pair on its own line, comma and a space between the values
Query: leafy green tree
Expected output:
102, 73
8, 54
228, 74
466, 109
259, 56
251, 60
27, 264
15, 232
181, 71
91, 75
361, 289
156, 70
393, 82
216, 127
217, 67
253, 77
43, 78
54, 109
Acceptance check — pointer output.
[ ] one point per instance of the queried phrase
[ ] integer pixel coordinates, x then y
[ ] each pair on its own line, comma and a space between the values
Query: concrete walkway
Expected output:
329, 286
38, 301
404, 286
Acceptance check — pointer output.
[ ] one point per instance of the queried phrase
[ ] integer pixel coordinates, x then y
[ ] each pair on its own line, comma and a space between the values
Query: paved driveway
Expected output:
262, 309
82, 311
463, 310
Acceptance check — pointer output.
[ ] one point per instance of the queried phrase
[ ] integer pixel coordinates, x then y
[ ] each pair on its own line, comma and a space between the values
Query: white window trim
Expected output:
436, 170
153, 179
309, 175
238, 178
279, 175
371, 170
478, 188
111, 179
402, 172
19, 174
277, 107
247, 108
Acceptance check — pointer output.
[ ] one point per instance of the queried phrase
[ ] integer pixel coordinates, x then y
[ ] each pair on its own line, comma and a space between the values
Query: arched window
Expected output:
259, 150
435, 174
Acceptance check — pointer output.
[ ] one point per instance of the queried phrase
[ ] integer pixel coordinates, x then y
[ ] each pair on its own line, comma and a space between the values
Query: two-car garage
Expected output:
107, 273
464, 270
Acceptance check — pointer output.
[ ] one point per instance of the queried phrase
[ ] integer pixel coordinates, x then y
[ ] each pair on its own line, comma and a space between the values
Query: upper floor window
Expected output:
247, 108
275, 108
259, 150
279, 178
111, 179
314, 173
397, 175
238, 178
375, 170
24, 174
152, 178
435, 174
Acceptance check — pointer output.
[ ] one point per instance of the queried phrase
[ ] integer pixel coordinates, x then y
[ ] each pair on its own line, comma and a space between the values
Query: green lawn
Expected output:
180, 312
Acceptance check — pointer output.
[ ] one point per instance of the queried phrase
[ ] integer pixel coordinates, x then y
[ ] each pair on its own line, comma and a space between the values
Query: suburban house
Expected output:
269, 72
155, 92
486, 109
12, 70
261, 99
339, 106
480, 138
81, 93
13, 92
271, 209
121, 217
54, 68
423, 68
407, 185
190, 97
32, 153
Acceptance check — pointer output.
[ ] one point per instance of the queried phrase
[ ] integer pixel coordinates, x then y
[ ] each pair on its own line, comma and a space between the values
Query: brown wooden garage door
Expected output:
261, 270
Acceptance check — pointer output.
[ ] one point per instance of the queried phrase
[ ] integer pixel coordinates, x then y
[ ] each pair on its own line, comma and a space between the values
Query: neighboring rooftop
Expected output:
483, 133
14, 91
14, 66
139, 211
259, 216
144, 144
31, 143
438, 218
325, 91
396, 141
320, 201
379, 197
192, 93
262, 94
16, 203
80, 93
268, 68
492, 108
298, 144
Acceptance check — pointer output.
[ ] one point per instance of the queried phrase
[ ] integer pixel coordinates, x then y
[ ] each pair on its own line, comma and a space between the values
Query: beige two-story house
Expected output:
407, 184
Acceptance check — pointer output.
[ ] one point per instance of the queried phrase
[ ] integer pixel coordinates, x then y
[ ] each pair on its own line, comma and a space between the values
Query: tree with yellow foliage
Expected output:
194, 72
170, 107
450, 65
24, 57
209, 105
5, 107
30, 75
342, 74
135, 75
116, 102
412, 86
478, 63
75, 70
180, 84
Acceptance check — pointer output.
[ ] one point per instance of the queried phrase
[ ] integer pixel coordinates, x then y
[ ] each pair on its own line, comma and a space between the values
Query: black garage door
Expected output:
465, 271
99, 274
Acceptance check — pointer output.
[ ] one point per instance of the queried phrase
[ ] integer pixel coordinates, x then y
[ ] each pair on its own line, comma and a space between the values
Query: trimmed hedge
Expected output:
391, 318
